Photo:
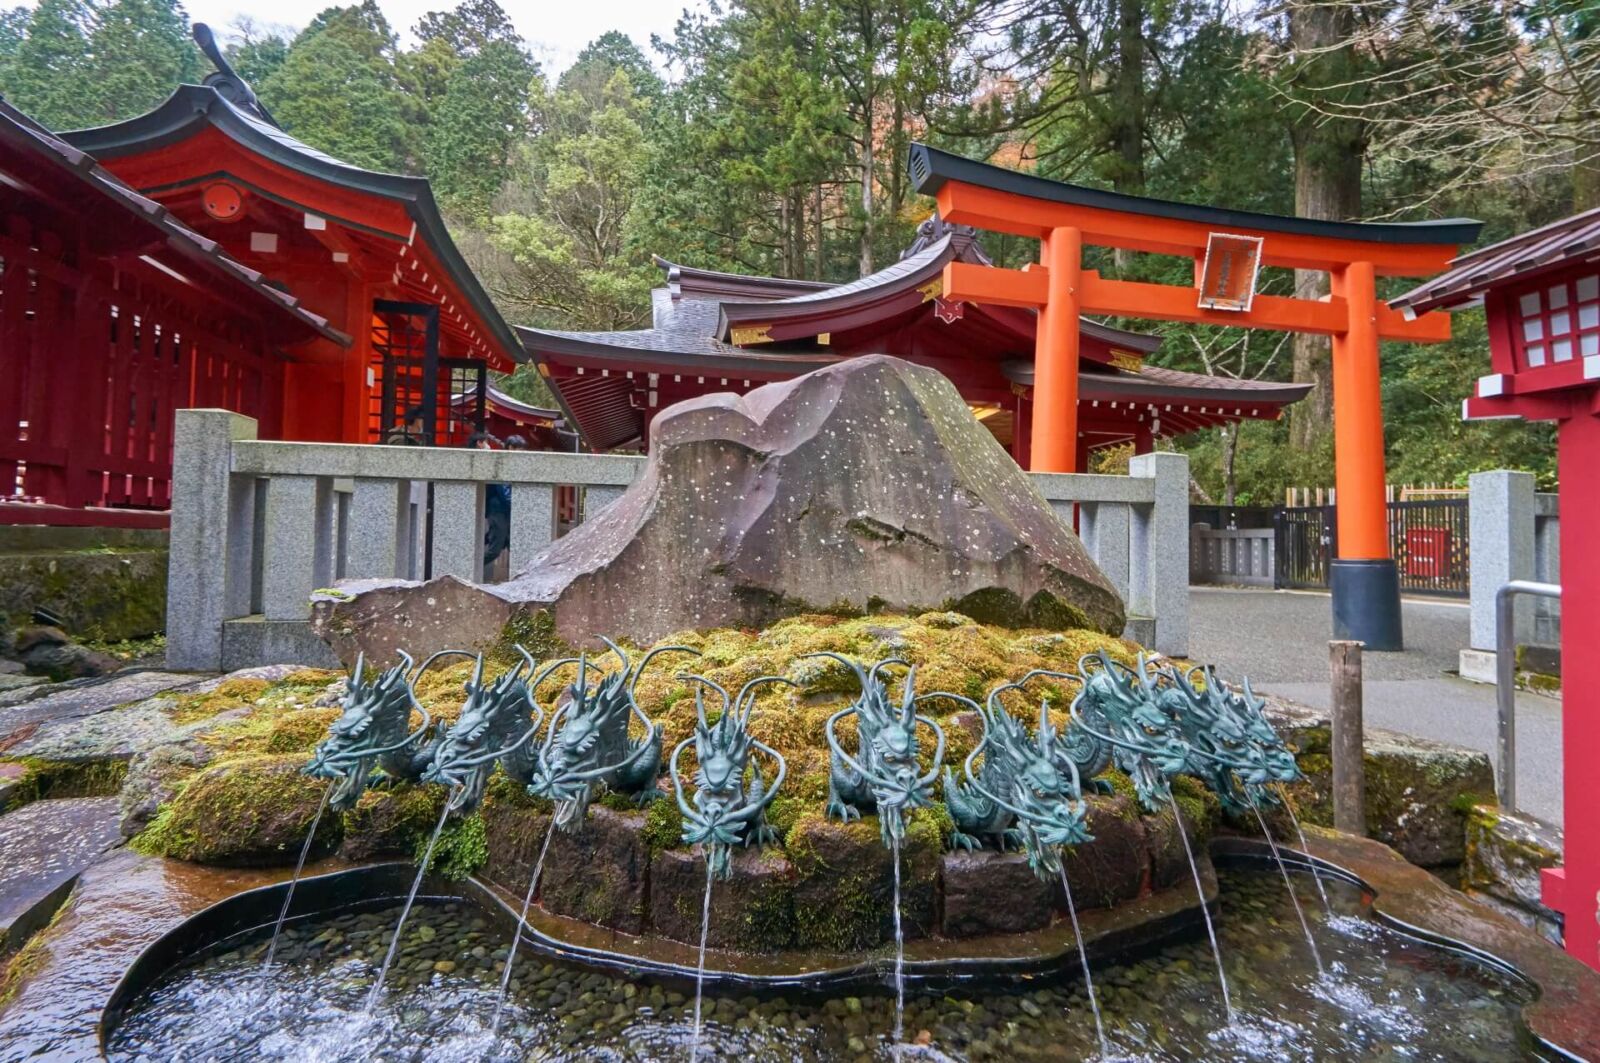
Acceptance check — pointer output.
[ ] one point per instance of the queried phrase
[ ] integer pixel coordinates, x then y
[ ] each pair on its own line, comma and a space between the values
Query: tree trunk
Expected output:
1129, 110
1328, 155
785, 243
1230, 455
797, 268
867, 166
816, 220
1586, 185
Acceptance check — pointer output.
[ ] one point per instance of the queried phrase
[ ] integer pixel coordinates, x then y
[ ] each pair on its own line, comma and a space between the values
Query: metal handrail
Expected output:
1505, 677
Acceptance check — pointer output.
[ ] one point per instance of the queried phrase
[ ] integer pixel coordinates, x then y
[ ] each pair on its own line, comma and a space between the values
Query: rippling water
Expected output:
1385, 997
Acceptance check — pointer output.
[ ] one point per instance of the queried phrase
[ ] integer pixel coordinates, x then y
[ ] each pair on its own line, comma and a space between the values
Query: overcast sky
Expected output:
556, 30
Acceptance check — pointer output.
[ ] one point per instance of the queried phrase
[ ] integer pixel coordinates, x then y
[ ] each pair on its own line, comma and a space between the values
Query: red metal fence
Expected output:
94, 360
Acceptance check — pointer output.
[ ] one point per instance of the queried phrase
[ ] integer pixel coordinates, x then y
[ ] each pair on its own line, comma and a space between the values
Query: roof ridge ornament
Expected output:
933, 228
225, 80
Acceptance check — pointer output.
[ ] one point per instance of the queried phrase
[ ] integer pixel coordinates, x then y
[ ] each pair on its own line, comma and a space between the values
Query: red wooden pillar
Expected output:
1144, 440
1574, 889
1022, 429
1055, 359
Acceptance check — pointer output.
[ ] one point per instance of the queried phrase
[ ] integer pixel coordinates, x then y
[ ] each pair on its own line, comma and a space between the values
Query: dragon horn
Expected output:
872, 676
745, 690
645, 663
477, 672
360, 668
854, 666
627, 665
908, 710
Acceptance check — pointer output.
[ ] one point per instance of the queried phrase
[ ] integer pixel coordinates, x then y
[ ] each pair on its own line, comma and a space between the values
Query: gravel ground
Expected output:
1280, 640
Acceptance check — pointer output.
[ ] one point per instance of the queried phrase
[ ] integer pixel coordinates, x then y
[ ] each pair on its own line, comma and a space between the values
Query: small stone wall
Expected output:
104, 583
830, 886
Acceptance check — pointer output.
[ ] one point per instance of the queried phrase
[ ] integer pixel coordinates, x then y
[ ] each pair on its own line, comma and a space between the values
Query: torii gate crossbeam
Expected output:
1064, 217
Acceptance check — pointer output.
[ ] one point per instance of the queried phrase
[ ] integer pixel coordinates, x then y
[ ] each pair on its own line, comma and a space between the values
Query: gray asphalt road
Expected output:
1280, 640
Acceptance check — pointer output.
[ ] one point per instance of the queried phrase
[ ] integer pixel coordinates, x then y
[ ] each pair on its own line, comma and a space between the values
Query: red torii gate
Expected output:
1228, 247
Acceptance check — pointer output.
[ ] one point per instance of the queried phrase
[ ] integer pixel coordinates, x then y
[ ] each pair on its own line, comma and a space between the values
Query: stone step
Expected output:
47, 844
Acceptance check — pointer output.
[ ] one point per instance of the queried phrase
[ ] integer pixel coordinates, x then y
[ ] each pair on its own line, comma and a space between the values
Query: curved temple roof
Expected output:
193, 107
931, 168
23, 135
1524, 255
599, 375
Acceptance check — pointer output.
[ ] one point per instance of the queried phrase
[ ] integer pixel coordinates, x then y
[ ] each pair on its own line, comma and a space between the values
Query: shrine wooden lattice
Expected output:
117, 349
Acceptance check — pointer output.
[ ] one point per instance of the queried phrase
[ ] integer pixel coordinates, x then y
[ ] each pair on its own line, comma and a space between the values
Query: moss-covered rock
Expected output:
247, 812
598, 873
844, 882
391, 822
154, 778
1504, 854
1417, 794
751, 912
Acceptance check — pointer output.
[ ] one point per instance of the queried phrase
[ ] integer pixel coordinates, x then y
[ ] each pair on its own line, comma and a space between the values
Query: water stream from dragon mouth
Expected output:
1205, 910
522, 924
416, 883
1083, 957
1288, 885
899, 952
1316, 872
283, 913
700, 966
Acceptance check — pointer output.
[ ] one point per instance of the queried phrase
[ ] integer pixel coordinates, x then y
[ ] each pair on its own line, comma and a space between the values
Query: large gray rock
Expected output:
867, 484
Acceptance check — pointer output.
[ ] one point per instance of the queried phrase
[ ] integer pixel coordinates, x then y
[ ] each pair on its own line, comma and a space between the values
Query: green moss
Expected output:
663, 827
462, 848
67, 778
535, 631
1121, 785
1046, 610
299, 731
618, 802
930, 827
503, 790
783, 812
1202, 811
245, 811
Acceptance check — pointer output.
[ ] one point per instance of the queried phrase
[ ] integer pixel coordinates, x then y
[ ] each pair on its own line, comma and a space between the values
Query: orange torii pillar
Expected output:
1363, 579
1227, 247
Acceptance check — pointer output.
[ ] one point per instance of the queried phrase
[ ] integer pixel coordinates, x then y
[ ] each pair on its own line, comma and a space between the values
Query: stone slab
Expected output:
1505, 853
975, 883
75, 700
254, 640
47, 844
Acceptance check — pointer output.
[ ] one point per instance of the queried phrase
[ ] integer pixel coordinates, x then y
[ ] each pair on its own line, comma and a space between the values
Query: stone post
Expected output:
208, 575
1500, 536
1104, 529
378, 532
458, 529
297, 555
1159, 586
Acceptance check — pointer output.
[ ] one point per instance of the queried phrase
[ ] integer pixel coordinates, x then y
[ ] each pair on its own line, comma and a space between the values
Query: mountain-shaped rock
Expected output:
861, 486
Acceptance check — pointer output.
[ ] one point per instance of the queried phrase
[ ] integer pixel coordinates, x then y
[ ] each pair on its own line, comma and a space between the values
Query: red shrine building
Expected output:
1541, 296
114, 313
368, 251
392, 324
714, 331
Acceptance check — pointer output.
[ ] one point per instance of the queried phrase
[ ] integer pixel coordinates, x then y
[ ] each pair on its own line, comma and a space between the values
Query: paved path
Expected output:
1280, 640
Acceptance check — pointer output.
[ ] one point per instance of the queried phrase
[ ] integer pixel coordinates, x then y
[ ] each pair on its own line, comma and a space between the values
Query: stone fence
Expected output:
257, 526
1515, 533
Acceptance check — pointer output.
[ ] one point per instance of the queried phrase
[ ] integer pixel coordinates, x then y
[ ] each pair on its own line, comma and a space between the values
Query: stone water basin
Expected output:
1388, 995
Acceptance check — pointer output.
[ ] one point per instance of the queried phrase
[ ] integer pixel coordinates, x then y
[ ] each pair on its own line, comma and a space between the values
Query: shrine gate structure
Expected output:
712, 331
1228, 247
1541, 295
